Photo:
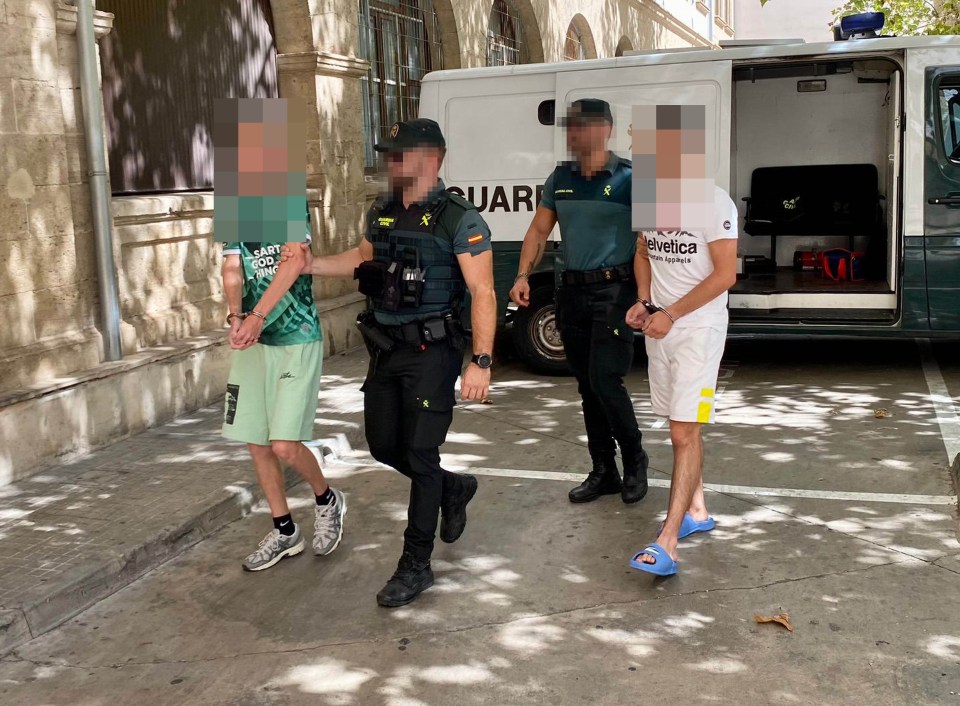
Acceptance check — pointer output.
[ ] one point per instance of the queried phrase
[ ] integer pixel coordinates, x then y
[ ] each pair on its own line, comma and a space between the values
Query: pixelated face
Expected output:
586, 136
671, 188
405, 166
260, 170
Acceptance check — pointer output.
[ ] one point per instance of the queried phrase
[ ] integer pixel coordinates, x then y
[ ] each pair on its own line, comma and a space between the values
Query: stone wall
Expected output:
810, 20
47, 276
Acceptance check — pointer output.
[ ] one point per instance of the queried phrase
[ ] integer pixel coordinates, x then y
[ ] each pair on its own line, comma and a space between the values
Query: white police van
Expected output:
850, 148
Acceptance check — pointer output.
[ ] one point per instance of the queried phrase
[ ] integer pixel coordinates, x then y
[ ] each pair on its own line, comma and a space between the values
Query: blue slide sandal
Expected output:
691, 526
663, 566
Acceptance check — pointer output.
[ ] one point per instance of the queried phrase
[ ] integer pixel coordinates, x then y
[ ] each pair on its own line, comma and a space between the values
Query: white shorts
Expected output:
683, 369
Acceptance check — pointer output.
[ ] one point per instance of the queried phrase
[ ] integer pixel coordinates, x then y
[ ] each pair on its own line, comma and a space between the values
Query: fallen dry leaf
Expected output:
781, 619
881, 413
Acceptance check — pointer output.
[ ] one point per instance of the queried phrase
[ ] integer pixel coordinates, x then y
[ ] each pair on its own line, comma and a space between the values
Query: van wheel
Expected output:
536, 335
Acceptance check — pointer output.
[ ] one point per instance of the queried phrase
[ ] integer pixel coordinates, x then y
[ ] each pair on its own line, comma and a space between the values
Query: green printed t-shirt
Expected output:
294, 319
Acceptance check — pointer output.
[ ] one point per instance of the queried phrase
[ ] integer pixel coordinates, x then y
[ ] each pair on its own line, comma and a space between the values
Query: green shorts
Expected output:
272, 393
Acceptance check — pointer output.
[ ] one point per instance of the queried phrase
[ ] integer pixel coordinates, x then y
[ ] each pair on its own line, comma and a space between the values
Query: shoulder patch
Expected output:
379, 205
458, 200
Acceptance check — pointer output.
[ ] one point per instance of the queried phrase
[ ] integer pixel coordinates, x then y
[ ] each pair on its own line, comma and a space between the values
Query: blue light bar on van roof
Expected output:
864, 24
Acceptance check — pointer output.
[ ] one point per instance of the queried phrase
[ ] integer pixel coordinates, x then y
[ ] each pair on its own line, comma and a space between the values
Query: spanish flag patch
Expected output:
473, 239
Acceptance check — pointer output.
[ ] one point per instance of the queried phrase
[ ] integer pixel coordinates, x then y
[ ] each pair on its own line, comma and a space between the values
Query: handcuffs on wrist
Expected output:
653, 309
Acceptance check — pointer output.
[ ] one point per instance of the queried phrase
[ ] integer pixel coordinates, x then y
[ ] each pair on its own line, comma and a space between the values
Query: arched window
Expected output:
504, 37
573, 48
401, 40
579, 43
624, 46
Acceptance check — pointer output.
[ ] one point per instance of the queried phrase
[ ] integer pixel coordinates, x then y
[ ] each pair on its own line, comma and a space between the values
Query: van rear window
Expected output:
547, 112
949, 93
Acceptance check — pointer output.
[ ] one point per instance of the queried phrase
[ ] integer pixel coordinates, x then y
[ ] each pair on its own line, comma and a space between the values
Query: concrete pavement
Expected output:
843, 520
75, 533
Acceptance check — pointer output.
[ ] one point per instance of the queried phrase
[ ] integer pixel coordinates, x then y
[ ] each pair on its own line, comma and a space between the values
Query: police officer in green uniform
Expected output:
424, 250
591, 199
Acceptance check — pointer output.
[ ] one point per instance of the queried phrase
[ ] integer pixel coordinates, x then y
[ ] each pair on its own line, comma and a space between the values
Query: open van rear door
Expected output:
704, 83
941, 197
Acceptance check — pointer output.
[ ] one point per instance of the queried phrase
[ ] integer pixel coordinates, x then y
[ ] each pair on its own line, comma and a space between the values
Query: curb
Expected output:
23, 623
955, 474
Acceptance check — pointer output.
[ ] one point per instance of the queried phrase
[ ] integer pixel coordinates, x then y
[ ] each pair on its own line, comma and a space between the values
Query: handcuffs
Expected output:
653, 309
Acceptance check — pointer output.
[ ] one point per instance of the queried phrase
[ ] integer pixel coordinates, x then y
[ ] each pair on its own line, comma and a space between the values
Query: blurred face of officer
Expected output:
588, 136
405, 167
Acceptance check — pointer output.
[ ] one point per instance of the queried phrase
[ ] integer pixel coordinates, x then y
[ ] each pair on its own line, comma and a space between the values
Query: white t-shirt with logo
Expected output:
680, 260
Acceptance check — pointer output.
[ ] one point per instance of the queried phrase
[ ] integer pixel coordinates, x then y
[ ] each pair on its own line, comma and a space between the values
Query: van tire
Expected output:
536, 336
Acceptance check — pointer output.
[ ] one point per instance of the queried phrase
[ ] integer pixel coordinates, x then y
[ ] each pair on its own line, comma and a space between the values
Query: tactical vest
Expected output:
427, 244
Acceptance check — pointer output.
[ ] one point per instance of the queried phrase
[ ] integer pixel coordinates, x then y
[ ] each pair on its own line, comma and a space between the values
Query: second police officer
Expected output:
590, 197
424, 250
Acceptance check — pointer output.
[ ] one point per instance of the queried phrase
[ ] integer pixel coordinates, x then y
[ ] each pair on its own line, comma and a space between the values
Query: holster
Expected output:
377, 341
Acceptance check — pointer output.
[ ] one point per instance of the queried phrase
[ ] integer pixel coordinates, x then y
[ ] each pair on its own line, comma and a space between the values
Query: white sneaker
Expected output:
273, 548
328, 524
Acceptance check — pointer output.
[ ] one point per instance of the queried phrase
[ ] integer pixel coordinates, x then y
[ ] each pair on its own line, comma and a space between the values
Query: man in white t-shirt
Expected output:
682, 283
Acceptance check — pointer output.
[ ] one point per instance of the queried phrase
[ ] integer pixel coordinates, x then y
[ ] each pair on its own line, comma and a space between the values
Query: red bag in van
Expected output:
843, 265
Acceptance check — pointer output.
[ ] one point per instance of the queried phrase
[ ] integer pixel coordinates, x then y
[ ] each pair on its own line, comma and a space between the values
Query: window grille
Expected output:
573, 49
401, 40
504, 39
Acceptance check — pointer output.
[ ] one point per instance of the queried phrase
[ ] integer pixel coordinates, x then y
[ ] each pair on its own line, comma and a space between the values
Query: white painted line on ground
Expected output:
750, 490
736, 489
947, 416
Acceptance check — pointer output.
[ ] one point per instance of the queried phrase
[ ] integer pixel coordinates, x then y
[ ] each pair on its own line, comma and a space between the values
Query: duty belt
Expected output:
415, 333
620, 273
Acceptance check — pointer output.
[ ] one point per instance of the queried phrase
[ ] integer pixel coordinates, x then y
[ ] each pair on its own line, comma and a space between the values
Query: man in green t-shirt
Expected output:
273, 387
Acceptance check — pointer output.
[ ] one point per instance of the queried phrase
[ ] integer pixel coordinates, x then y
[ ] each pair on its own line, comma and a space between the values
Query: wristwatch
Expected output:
483, 360
232, 316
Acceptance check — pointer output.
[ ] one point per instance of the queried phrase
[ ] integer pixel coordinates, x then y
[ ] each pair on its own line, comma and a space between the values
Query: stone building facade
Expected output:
810, 20
57, 395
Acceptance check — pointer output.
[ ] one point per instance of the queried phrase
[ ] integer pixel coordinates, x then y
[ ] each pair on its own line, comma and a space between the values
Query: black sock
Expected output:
285, 525
327, 498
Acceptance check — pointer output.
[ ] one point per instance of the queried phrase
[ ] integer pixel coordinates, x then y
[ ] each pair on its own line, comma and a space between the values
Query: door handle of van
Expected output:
944, 201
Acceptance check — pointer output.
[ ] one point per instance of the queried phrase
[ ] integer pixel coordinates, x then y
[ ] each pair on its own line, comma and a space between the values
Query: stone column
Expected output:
318, 48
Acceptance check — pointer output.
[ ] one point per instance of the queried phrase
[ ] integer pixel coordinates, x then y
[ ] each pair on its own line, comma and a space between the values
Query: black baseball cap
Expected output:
407, 135
587, 110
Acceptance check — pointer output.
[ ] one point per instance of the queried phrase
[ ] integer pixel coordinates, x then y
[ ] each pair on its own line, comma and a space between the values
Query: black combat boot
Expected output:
604, 479
635, 462
412, 577
453, 510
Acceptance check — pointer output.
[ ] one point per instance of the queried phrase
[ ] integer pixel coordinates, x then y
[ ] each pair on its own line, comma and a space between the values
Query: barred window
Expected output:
401, 40
504, 39
573, 49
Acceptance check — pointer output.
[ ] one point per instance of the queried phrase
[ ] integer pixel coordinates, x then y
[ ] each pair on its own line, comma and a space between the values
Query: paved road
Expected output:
843, 520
